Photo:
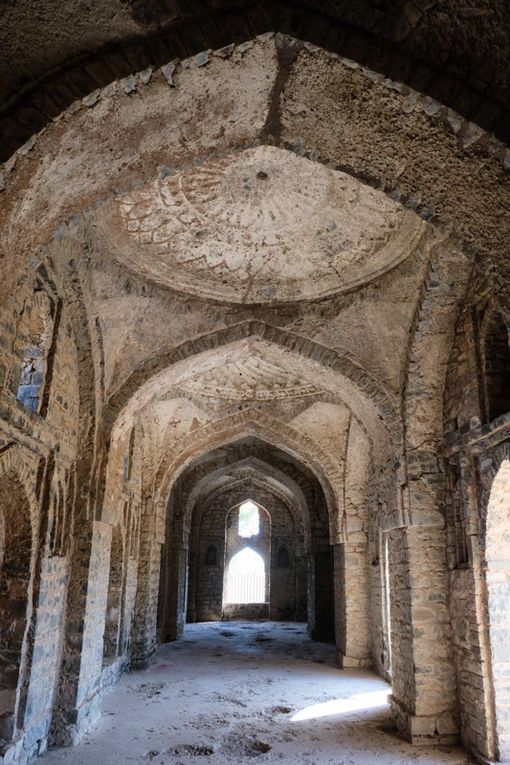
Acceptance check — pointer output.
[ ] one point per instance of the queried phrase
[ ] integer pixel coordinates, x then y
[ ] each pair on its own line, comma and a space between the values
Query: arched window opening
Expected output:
283, 557
246, 578
15, 558
497, 367
31, 378
498, 584
37, 329
211, 556
249, 520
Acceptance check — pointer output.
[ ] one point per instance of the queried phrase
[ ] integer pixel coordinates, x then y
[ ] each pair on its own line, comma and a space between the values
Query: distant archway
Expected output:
247, 582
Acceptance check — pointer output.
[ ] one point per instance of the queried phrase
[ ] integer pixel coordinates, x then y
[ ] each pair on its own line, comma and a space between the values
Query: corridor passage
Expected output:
236, 692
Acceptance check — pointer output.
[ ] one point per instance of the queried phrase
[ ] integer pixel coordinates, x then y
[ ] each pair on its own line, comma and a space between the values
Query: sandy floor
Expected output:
234, 691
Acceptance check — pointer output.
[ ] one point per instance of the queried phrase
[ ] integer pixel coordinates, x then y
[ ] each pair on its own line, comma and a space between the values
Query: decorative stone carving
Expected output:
263, 226
250, 373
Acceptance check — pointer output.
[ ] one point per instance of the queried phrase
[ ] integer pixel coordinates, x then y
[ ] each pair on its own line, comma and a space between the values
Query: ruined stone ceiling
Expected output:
222, 180
260, 226
186, 152
254, 373
250, 371
54, 52
251, 468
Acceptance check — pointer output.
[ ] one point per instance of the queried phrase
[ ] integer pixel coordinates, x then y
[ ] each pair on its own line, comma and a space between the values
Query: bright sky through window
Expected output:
249, 523
246, 581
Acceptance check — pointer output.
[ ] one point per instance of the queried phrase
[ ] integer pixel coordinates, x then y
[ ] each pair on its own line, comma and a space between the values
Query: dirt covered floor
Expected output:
236, 692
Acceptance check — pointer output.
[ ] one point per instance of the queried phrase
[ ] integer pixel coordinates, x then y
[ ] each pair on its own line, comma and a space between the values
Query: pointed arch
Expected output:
368, 393
267, 428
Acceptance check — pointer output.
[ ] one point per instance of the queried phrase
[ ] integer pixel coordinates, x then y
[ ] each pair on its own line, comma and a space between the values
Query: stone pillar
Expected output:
340, 602
301, 578
175, 591
193, 566
470, 627
423, 701
323, 626
352, 603
77, 707
143, 644
49, 628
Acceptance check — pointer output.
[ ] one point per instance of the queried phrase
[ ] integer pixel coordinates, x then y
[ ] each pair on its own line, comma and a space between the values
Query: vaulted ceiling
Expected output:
454, 50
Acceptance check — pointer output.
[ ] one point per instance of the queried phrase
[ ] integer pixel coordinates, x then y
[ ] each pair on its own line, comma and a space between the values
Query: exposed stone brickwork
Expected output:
214, 523
92, 644
433, 46
47, 654
266, 272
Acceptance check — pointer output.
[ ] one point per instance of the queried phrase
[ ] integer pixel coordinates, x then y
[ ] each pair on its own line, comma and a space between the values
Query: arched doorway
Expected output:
246, 579
498, 584
247, 583
195, 558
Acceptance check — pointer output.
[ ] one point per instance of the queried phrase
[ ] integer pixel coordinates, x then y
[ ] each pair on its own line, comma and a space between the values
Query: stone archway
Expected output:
311, 573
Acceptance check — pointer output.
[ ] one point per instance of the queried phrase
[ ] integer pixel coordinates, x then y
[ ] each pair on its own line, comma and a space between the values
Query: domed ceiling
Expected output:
260, 226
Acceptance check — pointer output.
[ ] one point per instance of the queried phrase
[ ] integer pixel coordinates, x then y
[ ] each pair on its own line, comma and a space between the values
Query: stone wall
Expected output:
88, 701
214, 525
173, 340
473, 443
47, 654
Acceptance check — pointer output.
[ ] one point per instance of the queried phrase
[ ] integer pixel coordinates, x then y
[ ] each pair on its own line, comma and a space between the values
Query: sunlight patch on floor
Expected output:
334, 707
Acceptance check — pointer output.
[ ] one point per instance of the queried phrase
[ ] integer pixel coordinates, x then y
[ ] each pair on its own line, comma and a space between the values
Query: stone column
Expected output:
423, 701
143, 644
323, 626
470, 627
77, 707
352, 603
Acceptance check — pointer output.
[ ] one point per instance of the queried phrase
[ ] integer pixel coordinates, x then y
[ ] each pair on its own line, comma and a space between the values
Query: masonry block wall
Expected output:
47, 653
475, 447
